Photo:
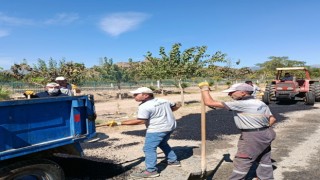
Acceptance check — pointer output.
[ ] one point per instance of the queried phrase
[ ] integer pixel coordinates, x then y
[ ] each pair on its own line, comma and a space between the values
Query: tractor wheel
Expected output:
310, 98
266, 98
37, 169
317, 92
271, 88
267, 87
315, 88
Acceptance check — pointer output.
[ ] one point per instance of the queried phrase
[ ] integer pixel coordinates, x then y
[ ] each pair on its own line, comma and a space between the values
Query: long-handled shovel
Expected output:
203, 174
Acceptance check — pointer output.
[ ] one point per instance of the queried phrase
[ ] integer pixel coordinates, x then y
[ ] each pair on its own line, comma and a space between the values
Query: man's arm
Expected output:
133, 122
209, 101
272, 120
257, 88
176, 106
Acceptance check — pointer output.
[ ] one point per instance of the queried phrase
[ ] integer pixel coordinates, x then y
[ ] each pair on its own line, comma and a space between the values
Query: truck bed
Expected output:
33, 125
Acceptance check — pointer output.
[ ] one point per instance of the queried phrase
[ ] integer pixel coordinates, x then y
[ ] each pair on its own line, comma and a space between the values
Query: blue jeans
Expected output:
154, 140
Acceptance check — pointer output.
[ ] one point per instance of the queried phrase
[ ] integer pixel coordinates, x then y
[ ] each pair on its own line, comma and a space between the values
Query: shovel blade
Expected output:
198, 176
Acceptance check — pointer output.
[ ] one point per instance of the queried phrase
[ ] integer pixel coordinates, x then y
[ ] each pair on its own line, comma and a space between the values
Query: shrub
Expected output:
4, 94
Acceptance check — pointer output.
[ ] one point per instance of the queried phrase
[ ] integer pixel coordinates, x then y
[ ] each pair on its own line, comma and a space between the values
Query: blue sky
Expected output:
84, 31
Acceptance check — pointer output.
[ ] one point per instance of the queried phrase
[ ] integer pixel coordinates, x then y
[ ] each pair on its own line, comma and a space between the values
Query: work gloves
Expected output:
76, 88
29, 94
113, 123
204, 86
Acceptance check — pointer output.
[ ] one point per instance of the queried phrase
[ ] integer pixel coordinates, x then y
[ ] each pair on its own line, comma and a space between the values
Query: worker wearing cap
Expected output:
254, 119
256, 89
51, 90
158, 117
65, 87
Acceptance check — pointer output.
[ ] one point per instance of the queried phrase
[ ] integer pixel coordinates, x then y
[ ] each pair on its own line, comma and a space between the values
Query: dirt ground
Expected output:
295, 151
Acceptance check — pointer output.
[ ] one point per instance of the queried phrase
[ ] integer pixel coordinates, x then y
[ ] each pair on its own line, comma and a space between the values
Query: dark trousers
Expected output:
254, 147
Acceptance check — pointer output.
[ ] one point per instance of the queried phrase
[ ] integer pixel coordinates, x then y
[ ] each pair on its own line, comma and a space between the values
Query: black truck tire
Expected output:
266, 98
38, 169
310, 98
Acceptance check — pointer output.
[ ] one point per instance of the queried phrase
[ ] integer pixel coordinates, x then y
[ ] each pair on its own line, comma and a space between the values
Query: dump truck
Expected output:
299, 87
33, 131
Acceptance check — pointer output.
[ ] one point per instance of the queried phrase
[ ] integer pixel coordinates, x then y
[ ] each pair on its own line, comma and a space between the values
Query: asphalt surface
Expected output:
219, 122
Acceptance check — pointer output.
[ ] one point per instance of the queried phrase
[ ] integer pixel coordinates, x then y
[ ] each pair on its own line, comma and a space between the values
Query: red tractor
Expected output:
292, 83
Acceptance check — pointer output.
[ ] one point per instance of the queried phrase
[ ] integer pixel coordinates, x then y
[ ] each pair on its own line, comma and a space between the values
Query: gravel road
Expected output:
118, 153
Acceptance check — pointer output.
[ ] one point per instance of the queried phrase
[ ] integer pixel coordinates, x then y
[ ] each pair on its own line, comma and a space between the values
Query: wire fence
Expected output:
21, 87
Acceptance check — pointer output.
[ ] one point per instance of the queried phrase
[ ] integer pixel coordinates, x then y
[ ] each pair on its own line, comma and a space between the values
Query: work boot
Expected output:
145, 174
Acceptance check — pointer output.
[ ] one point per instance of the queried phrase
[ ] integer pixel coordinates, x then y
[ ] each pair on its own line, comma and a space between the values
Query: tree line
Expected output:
176, 64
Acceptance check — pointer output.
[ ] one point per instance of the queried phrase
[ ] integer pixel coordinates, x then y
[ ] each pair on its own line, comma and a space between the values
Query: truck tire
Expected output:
266, 98
37, 169
310, 98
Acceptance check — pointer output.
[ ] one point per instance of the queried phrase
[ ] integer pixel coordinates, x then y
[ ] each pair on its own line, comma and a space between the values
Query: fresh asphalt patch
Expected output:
291, 133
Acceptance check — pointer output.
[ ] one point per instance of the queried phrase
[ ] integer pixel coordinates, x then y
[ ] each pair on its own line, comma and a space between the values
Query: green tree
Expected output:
314, 72
229, 71
268, 68
4, 94
92, 74
179, 65
109, 70
133, 70
211, 69
20, 71
74, 72
243, 72
47, 71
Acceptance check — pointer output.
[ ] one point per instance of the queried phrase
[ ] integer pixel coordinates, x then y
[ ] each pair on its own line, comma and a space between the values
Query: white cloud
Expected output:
4, 33
62, 18
118, 23
8, 20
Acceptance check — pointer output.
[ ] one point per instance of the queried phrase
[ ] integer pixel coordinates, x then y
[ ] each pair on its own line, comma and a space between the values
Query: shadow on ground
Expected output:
220, 122
208, 174
81, 168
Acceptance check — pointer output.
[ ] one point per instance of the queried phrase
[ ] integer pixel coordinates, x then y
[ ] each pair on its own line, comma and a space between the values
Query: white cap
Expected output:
142, 90
60, 78
52, 84
239, 87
